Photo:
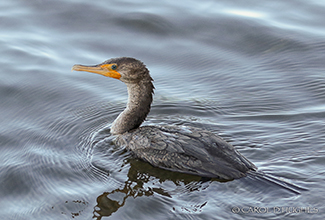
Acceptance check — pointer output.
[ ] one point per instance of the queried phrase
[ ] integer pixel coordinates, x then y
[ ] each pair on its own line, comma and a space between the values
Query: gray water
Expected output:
250, 71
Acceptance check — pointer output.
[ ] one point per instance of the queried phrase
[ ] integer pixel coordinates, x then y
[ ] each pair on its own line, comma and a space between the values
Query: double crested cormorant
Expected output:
177, 148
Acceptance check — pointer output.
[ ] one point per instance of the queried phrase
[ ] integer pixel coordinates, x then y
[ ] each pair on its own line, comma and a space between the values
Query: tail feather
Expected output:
270, 179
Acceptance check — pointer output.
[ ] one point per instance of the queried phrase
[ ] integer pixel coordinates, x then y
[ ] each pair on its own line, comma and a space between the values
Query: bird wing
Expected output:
187, 150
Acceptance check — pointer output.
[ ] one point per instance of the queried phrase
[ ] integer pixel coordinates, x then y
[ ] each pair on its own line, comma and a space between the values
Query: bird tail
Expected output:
273, 180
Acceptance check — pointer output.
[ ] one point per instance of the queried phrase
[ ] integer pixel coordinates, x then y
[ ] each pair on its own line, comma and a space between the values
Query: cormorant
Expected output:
177, 148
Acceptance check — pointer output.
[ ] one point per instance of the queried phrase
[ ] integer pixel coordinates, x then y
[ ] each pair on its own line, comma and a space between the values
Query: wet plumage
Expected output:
186, 149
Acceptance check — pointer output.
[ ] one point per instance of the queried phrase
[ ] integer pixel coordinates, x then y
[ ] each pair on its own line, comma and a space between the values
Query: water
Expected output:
250, 71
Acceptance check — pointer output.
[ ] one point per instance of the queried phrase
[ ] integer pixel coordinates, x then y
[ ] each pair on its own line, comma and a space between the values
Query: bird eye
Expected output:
114, 67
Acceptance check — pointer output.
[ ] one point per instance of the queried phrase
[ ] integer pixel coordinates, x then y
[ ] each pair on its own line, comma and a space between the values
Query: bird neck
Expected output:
137, 109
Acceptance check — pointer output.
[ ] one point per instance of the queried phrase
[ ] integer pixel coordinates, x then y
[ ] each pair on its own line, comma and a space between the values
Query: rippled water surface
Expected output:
251, 71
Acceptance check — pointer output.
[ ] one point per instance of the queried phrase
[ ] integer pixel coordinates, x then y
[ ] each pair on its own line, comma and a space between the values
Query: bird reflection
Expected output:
139, 174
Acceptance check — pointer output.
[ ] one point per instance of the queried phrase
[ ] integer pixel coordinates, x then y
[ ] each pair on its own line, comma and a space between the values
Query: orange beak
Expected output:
102, 69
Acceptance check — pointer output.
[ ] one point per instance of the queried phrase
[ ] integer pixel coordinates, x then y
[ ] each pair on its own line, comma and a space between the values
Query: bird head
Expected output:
126, 69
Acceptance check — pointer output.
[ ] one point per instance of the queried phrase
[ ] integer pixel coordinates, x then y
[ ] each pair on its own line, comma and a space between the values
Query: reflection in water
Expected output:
140, 173
107, 206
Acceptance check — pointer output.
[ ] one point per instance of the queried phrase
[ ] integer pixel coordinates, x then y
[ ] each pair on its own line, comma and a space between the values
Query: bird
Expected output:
183, 149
